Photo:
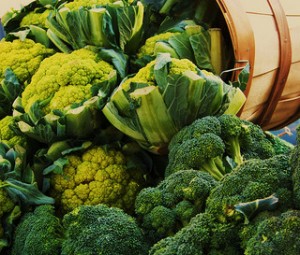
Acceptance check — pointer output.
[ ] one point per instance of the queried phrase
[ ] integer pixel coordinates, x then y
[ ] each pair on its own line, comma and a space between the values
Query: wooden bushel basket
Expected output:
266, 34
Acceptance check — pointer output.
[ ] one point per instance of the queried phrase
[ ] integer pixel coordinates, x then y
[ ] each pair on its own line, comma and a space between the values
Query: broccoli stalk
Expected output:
231, 130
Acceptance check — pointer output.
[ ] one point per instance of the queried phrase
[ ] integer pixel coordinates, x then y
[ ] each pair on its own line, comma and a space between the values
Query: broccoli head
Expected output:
38, 233
253, 179
217, 144
273, 234
254, 142
202, 236
166, 208
198, 146
103, 230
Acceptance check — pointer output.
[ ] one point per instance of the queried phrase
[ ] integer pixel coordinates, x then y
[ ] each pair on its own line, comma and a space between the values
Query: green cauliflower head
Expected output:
98, 175
23, 57
65, 79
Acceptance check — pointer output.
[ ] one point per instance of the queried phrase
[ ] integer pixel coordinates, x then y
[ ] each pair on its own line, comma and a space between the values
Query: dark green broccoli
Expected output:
217, 144
86, 230
102, 230
273, 234
202, 153
231, 127
253, 179
38, 233
254, 142
295, 164
166, 208
204, 235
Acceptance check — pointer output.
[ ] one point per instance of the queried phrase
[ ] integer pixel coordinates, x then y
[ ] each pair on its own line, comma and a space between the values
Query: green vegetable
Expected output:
22, 57
217, 144
274, 234
102, 230
18, 189
38, 232
254, 179
65, 96
10, 89
97, 174
164, 96
192, 43
118, 25
7, 134
295, 164
86, 230
202, 236
164, 209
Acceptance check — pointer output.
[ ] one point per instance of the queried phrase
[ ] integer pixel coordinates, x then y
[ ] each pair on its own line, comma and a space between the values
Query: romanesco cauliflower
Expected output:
23, 57
65, 79
98, 175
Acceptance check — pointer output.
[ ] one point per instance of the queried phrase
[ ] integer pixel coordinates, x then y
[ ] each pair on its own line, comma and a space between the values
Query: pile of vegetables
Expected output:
119, 134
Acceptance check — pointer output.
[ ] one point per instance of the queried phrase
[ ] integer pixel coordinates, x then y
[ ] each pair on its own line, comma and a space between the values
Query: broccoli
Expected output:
164, 209
280, 145
253, 179
103, 230
254, 142
198, 146
273, 234
86, 230
231, 130
295, 164
38, 233
204, 235
217, 144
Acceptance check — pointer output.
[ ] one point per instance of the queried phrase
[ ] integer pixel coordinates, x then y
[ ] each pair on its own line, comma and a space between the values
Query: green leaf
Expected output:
56, 167
117, 58
9, 91
243, 78
249, 209
29, 194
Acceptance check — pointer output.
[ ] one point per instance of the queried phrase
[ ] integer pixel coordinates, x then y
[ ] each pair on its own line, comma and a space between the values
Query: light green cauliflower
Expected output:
65, 79
23, 57
98, 175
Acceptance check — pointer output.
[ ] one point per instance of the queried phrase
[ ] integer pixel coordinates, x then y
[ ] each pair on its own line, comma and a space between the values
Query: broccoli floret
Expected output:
166, 208
280, 145
277, 234
202, 153
38, 233
103, 230
295, 164
253, 179
254, 142
231, 127
202, 236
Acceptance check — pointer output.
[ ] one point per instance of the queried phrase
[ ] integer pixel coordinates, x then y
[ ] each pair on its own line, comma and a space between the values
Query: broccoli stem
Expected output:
235, 150
214, 167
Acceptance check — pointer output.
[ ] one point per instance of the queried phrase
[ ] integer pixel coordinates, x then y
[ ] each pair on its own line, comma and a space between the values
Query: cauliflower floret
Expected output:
64, 79
99, 175
149, 47
23, 57
7, 135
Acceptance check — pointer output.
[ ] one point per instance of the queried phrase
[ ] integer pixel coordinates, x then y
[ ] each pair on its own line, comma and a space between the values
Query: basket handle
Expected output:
242, 38
285, 61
